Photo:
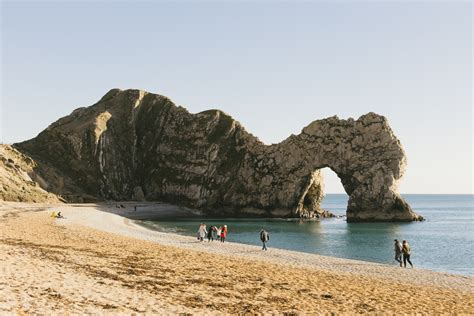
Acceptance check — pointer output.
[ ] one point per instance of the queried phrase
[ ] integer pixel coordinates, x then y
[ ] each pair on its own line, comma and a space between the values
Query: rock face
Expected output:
18, 180
134, 145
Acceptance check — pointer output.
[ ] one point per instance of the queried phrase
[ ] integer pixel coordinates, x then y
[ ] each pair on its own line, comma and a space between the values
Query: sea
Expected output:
443, 242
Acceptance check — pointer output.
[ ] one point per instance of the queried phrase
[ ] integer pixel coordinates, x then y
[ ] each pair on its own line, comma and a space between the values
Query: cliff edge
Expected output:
19, 182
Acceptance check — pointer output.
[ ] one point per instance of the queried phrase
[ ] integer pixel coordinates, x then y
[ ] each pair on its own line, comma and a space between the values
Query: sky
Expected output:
273, 66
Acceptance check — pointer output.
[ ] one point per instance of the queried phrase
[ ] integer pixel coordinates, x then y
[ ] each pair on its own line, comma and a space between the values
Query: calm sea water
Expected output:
444, 242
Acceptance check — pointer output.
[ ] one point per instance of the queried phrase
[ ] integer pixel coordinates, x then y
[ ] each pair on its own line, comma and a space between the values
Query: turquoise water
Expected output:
444, 242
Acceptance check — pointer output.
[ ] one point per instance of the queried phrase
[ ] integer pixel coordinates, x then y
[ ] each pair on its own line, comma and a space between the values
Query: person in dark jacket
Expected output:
210, 235
264, 237
406, 250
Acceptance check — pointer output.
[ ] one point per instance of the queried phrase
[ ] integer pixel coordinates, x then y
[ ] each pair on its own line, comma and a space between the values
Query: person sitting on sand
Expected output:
59, 215
223, 233
202, 232
398, 252
406, 254
264, 237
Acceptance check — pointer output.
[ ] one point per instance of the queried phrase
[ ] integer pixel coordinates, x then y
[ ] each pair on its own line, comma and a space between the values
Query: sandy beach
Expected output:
96, 260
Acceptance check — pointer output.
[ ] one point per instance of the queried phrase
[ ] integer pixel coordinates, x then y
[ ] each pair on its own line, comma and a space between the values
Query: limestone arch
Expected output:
365, 155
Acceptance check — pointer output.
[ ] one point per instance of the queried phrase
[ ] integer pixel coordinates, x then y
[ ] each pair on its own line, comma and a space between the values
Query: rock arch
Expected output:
364, 153
137, 145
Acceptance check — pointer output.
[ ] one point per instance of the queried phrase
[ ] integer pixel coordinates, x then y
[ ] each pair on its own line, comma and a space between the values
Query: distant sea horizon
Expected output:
443, 242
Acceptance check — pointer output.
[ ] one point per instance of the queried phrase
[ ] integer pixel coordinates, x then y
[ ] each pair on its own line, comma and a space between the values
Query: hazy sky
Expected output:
273, 67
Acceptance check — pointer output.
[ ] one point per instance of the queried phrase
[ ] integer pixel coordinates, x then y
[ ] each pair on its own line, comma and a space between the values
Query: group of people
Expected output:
402, 253
213, 233
220, 234
402, 249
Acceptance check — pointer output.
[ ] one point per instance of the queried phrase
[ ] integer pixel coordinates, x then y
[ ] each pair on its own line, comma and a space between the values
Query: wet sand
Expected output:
95, 260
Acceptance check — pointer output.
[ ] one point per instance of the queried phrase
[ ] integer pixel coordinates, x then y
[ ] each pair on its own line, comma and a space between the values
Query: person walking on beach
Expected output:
406, 254
218, 233
264, 237
209, 234
223, 233
202, 232
398, 252
214, 232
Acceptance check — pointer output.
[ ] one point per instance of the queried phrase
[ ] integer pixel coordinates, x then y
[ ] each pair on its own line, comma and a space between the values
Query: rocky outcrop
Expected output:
18, 180
138, 145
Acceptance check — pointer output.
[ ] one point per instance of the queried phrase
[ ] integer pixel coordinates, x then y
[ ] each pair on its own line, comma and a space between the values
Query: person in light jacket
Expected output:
398, 251
202, 232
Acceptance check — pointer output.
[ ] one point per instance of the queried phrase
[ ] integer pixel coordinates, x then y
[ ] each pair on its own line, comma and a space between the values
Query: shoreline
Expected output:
276, 255
30, 235
273, 248
124, 223
164, 211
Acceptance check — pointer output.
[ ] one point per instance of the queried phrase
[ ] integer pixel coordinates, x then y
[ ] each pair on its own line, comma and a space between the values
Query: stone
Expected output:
138, 145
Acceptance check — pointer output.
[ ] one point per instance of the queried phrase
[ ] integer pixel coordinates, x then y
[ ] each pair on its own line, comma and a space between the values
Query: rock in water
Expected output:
138, 145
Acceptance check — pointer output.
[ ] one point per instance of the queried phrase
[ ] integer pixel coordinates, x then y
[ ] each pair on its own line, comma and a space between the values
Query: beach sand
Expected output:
96, 260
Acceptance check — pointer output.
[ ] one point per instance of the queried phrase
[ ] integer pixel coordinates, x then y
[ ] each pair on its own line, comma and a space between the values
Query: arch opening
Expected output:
323, 195
335, 198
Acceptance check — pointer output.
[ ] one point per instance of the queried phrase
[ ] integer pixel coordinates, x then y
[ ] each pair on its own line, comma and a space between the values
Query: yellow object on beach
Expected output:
53, 214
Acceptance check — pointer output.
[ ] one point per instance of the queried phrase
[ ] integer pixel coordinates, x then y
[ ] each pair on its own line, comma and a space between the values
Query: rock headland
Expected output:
135, 145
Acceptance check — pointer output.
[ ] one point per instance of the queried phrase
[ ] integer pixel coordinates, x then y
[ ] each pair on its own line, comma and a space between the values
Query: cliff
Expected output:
134, 145
19, 182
